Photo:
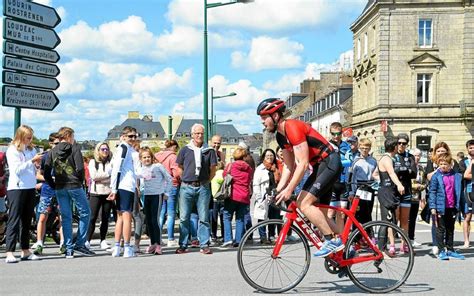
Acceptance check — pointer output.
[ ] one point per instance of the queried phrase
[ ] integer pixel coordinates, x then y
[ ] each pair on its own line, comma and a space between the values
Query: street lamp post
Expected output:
214, 123
205, 116
212, 106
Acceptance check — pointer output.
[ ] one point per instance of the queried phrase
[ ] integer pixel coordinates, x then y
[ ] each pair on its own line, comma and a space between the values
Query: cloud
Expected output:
290, 82
130, 40
265, 15
269, 53
165, 79
240, 108
79, 78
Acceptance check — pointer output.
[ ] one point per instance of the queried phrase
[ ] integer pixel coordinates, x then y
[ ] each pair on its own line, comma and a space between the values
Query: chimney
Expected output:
148, 118
133, 115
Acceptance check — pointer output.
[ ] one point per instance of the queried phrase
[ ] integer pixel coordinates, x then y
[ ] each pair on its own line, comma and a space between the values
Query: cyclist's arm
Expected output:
301, 152
288, 169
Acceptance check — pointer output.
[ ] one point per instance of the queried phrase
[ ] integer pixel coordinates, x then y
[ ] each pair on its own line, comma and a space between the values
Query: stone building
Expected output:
414, 72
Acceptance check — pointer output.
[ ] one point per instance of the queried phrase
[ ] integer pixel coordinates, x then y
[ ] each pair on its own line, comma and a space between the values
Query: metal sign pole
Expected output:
17, 121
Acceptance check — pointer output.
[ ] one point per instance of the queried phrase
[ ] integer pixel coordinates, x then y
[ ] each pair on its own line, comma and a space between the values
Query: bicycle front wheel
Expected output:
388, 273
265, 272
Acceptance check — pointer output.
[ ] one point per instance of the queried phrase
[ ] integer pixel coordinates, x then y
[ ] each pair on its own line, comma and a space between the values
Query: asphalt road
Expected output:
217, 274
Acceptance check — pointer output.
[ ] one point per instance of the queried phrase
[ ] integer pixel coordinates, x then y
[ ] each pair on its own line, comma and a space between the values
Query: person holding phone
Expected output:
22, 161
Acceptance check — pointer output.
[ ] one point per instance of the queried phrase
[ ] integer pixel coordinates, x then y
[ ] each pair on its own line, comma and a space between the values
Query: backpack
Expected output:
226, 188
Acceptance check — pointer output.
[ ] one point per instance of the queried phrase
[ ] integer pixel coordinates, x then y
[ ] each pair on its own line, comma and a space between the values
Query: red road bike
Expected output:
281, 265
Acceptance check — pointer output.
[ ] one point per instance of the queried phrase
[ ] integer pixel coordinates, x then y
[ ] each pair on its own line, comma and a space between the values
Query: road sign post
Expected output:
29, 40
19, 97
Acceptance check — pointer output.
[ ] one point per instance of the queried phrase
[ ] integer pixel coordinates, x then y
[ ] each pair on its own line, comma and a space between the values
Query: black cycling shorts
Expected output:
320, 183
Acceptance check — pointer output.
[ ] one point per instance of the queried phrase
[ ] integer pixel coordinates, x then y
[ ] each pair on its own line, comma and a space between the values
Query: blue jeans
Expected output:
240, 209
168, 213
188, 197
78, 196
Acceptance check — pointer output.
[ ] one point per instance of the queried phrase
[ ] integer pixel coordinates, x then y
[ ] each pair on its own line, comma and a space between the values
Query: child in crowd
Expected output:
444, 196
157, 185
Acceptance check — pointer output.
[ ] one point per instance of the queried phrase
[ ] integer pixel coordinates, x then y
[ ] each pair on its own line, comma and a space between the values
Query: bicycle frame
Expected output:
294, 215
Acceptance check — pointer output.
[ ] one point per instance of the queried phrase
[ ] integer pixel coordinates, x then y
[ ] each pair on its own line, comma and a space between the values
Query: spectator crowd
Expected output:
146, 192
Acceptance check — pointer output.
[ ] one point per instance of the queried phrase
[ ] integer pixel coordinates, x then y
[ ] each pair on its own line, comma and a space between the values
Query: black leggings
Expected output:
97, 202
415, 205
152, 209
20, 203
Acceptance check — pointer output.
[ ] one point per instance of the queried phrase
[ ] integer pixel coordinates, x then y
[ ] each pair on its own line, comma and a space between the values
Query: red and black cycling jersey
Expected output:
298, 132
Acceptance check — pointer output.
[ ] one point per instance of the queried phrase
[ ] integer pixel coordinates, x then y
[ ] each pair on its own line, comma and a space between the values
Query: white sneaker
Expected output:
434, 251
128, 252
415, 244
173, 243
104, 245
88, 245
116, 251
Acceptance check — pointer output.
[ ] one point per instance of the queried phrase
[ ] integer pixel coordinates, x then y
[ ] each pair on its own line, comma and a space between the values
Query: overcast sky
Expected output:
147, 56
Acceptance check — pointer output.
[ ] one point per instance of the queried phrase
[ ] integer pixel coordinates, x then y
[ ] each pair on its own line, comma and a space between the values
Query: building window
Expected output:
374, 38
366, 44
425, 30
423, 83
358, 49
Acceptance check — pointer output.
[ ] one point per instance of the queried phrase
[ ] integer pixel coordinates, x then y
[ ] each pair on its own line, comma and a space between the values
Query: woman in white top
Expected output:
22, 160
99, 170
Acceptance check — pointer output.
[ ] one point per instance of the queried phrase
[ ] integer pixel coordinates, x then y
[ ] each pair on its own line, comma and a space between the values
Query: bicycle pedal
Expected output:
332, 262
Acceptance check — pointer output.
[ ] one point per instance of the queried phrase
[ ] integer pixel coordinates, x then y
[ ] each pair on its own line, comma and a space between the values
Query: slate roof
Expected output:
225, 130
152, 128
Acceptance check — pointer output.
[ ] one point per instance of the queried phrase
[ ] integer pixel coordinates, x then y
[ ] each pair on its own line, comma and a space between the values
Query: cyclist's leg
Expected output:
317, 189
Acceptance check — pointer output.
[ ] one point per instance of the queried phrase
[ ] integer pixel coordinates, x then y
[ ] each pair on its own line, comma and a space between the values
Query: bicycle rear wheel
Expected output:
266, 273
388, 273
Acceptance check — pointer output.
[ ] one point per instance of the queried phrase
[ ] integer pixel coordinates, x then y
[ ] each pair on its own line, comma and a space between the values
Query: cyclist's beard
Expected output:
275, 126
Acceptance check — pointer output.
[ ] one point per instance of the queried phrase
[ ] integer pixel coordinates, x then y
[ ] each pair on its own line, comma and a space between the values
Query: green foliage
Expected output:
155, 149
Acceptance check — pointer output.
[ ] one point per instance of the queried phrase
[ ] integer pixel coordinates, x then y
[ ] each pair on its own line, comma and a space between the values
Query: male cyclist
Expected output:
303, 146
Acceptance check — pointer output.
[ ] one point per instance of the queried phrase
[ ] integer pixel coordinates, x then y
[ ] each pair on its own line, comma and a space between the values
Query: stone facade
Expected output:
414, 71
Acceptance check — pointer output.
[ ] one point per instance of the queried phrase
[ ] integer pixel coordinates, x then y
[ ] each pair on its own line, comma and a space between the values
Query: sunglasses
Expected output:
55, 143
336, 133
104, 149
132, 136
402, 143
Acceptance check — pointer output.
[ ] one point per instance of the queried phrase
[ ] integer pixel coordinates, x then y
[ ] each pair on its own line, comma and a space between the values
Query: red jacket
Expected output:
241, 181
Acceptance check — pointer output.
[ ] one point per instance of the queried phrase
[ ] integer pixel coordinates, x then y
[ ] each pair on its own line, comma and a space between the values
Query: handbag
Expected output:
260, 210
226, 188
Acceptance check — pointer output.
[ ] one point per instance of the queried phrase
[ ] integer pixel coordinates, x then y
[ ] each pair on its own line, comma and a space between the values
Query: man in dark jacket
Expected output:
68, 165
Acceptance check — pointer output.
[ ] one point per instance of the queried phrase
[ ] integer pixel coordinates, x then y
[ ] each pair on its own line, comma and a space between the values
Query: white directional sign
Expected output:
18, 31
30, 66
29, 80
31, 12
30, 52
28, 98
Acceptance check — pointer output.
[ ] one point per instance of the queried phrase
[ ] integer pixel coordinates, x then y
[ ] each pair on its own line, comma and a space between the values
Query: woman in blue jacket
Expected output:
444, 196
